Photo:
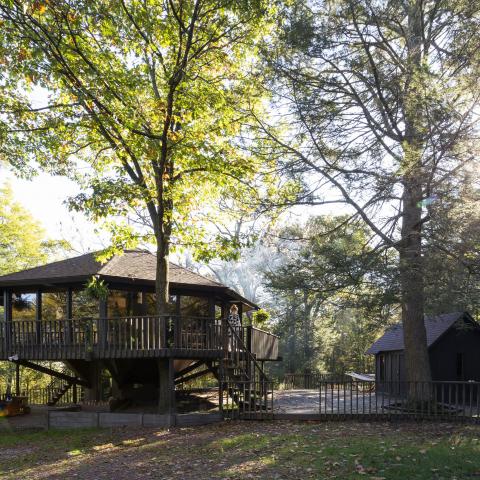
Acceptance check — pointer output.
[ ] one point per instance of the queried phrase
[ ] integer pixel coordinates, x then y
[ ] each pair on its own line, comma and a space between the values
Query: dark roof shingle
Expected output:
392, 339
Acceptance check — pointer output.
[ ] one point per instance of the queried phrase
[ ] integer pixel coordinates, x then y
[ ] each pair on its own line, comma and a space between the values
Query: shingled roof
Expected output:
435, 327
137, 265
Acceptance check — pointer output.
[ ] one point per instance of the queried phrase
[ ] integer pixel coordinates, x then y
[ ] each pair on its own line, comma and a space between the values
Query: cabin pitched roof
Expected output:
132, 265
435, 327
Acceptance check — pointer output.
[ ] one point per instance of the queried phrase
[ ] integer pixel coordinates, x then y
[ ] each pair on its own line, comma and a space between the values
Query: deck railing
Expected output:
263, 344
123, 337
439, 400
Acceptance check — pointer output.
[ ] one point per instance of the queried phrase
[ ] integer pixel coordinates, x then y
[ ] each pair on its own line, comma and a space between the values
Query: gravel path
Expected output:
296, 401
308, 401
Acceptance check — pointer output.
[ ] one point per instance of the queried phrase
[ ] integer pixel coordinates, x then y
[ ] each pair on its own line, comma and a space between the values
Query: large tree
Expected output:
381, 100
140, 104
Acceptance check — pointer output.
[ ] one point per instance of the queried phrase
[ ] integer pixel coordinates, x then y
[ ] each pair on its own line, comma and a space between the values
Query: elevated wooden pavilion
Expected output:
49, 315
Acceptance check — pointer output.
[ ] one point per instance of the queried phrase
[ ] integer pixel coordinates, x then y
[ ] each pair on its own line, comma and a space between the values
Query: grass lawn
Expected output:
268, 450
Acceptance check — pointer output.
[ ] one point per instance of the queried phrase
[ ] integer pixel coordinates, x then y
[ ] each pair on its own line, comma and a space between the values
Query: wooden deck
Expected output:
127, 337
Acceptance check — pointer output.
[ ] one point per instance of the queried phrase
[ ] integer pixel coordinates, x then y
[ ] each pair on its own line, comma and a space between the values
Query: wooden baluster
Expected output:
177, 326
136, 334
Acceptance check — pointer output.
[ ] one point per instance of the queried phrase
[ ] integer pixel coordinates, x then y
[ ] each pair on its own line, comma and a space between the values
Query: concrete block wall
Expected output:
72, 420
103, 420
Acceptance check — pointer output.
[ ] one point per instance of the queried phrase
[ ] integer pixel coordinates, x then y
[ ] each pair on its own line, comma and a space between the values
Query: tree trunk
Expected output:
411, 281
161, 281
417, 363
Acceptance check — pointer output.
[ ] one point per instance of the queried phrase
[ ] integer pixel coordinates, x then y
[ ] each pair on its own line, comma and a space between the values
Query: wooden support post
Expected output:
7, 316
38, 317
211, 307
166, 382
69, 311
250, 367
93, 391
145, 322
224, 327
177, 332
17, 380
74, 394
69, 303
210, 325
177, 324
103, 324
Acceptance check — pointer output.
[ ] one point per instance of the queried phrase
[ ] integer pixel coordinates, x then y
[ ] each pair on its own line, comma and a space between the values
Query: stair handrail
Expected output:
246, 350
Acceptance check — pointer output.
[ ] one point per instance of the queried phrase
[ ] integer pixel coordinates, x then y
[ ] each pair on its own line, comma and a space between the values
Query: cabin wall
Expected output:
390, 371
456, 355
390, 366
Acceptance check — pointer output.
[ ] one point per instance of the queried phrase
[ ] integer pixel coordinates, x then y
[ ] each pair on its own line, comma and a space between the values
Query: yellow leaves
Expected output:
39, 8
174, 136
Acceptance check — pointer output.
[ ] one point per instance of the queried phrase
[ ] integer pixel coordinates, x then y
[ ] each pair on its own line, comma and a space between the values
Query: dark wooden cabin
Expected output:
48, 315
453, 345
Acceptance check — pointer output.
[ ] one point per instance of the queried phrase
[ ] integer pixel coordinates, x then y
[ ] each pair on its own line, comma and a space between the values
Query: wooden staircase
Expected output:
58, 389
243, 380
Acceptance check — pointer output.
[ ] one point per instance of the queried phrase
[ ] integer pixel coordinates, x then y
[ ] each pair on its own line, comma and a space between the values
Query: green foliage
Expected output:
97, 288
452, 253
260, 318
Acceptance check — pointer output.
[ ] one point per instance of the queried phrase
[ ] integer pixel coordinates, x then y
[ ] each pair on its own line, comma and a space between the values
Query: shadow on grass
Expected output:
266, 450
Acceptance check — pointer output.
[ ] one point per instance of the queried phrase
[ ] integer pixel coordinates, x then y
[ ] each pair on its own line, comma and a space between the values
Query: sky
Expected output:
44, 197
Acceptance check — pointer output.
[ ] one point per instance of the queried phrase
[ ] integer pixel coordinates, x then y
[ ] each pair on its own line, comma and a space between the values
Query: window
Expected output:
24, 306
194, 306
460, 366
83, 305
124, 304
54, 306
119, 304
151, 307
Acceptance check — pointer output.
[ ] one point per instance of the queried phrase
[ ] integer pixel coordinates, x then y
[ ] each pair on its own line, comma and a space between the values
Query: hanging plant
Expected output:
260, 318
97, 288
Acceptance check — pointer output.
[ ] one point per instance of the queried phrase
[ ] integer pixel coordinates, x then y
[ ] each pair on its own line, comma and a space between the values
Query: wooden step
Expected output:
59, 394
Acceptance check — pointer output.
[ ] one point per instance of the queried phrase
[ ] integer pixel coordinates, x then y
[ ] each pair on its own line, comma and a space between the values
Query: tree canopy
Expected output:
142, 103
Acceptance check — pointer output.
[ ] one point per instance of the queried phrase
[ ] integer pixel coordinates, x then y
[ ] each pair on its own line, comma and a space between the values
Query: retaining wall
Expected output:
102, 420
